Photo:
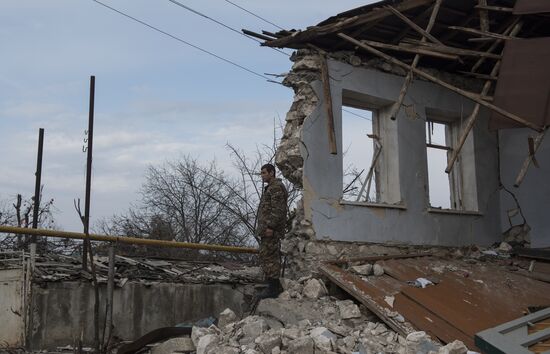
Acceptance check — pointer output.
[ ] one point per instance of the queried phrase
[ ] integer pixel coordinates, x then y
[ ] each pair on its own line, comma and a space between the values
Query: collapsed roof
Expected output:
464, 37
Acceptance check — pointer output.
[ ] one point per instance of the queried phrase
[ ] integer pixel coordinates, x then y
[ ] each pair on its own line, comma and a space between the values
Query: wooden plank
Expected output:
370, 173
495, 8
480, 33
414, 26
364, 293
483, 15
473, 116
373, 15
449, 49
474, 97
408, 79
422, 317
328, 104
412, 49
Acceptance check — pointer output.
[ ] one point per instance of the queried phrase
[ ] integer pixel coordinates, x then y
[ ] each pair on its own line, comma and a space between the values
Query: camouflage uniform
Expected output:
272, 214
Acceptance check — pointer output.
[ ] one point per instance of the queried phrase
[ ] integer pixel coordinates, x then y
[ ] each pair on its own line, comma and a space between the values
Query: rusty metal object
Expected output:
467, 298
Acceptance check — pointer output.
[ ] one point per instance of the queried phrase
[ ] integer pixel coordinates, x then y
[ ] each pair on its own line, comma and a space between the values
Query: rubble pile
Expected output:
57, 267
289, 156
306, 320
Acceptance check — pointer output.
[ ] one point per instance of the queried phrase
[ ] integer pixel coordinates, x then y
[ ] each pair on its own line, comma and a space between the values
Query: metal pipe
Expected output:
123, 239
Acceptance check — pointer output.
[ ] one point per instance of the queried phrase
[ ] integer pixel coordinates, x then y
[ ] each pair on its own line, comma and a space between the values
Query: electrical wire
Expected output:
355, 114
222, 24
253, 14
186, 42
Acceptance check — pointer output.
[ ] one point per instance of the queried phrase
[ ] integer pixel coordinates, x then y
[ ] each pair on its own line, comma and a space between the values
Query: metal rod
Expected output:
86, 220
441, 147
124, 239
37, 183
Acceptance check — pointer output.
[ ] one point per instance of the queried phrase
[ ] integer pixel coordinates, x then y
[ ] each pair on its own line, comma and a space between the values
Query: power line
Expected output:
221, 24
355, 114
253, 14
185, 42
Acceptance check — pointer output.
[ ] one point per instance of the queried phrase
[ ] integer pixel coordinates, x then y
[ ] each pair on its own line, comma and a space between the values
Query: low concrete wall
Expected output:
12, 325
59, 307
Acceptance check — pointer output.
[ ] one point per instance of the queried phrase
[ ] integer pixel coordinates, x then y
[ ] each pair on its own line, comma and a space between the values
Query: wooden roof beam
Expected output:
413, 25
472, 96
311, 33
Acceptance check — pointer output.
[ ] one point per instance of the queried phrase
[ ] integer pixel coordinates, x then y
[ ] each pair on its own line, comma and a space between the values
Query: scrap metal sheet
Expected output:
522, 86
467, 298
525, 7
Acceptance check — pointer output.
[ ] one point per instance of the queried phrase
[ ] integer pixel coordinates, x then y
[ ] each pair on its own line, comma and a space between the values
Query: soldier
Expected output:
270, 228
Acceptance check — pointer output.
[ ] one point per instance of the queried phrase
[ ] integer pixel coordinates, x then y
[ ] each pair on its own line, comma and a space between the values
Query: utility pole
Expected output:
37, 183
86, 220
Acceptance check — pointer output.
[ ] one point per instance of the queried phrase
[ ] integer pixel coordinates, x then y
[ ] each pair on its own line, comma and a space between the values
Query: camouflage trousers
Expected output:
270, 255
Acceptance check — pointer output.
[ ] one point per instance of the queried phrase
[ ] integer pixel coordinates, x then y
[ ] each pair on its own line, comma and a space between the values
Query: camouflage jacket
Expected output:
273, 208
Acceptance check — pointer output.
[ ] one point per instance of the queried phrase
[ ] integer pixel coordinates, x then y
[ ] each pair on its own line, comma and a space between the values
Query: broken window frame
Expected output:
462, 193
384, 134
370, 173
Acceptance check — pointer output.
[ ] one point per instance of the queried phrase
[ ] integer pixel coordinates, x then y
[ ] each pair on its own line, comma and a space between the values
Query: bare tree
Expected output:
193, 202
20, 214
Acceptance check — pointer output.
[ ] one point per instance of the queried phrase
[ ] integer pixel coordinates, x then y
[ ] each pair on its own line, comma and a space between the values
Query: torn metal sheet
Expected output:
522, 86
370, 295
525, 7
465, 299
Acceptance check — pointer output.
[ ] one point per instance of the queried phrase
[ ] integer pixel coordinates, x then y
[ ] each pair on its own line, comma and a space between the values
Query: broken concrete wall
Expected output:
138, 308
410, 219
533, 195
12, 314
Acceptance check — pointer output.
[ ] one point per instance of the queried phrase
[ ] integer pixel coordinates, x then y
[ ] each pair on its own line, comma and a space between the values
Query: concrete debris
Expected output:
289, 156
299, 324
456, 347
314, 289
378, 270
323, 338
518, 235
302, 345
505, 247
365, 269
207, 343
181, 344
348, 309
418, 342
57, 267
268, 341
226, 317
199, 332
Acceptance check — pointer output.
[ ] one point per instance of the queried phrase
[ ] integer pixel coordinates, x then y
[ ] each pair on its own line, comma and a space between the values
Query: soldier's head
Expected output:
267, 172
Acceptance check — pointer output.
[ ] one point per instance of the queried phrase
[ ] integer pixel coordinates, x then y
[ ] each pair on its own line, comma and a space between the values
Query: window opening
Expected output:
438, 148
361, 151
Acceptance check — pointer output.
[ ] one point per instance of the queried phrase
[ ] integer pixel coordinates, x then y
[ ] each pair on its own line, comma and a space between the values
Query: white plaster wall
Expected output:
534, 193
323, 171
12, 328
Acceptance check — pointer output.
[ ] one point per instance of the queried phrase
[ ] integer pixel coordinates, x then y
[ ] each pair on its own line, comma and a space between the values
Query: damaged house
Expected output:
450, 95
465, 80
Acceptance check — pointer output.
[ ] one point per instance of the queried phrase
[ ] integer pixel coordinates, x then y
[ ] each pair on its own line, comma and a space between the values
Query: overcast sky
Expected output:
156, 98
